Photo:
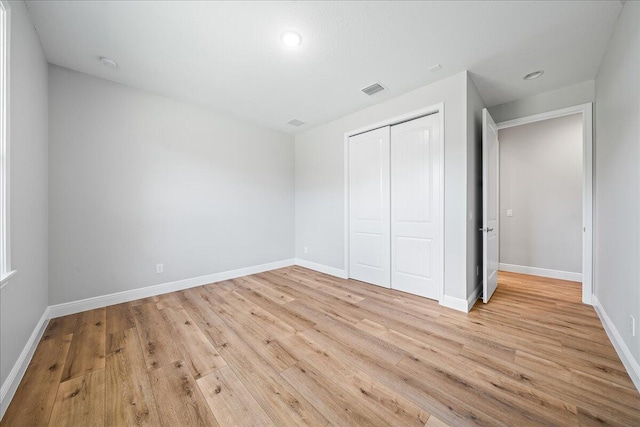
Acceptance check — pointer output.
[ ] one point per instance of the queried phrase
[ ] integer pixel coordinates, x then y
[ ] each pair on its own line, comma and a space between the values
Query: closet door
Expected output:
416, 258
369, 211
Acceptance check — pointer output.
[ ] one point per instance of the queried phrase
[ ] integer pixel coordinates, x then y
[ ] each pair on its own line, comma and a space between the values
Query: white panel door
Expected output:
416, 259
490, 205
369, 222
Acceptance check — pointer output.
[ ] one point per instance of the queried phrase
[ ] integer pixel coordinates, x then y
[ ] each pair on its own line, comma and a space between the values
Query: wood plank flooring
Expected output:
294, 347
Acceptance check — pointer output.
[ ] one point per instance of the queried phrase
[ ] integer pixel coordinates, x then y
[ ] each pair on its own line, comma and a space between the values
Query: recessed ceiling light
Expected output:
534, 75
291, 38
108, 62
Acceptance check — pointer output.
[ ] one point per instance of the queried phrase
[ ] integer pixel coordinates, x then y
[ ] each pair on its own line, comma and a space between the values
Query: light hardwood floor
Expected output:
295, 347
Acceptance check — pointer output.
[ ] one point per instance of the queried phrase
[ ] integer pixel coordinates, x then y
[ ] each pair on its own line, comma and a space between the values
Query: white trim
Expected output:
632, 366
10, 385
433, 109
5, 137
587, 183
149, 291
474, 296
587, 205
458, 304
543, 116
345, 219
331, 271
4, 278
542, 272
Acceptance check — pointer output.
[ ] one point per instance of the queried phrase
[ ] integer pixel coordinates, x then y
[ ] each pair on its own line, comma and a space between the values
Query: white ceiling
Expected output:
228, 55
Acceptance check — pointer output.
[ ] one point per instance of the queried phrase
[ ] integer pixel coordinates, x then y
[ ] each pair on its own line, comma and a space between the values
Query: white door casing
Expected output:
586, 110
415, 207
369, 207
490, 205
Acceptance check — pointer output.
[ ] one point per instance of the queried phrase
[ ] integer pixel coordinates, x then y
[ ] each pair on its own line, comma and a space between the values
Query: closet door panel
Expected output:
415, 207
369, 207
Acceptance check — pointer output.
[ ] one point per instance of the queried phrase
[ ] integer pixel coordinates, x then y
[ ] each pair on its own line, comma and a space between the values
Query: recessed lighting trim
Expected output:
291, 38
108, 62
534, 75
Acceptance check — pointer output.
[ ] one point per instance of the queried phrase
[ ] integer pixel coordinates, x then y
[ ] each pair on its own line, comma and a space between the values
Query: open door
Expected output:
490, 205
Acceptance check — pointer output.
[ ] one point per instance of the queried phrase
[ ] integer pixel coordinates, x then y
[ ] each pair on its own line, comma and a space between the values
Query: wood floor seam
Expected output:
293, 347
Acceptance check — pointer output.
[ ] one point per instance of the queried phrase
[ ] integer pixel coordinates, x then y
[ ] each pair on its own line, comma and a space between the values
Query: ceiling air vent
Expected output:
295, 122
373, 89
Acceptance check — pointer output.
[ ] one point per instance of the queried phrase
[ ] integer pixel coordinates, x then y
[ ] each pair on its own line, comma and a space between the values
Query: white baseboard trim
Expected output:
455, 303
331, 271
542, 272
630, 363
10, 385
447, 301
72, 307
460, 304
474, 297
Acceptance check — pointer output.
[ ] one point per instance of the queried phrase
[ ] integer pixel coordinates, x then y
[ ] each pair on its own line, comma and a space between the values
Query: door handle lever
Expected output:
485, 229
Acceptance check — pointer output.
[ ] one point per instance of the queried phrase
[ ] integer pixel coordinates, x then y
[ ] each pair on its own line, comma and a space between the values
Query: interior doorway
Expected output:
543, 196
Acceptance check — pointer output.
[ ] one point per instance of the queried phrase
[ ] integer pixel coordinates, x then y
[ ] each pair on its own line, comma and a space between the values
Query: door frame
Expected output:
433, 109
586, 110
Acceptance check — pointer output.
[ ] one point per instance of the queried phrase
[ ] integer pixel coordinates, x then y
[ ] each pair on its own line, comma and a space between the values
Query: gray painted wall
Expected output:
541, 182
319, 165
24, 299
138, 179
474, 186
617, 178
569, 96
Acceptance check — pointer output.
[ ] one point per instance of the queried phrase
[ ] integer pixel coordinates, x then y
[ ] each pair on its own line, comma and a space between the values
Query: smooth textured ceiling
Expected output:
229, 56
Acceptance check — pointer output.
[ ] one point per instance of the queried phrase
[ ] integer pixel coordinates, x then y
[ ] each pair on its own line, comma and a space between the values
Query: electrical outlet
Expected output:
160, 268
509, 212
633, 326
306, 250
470, 215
